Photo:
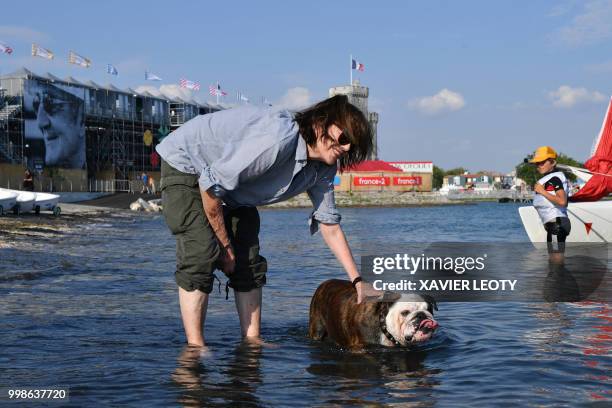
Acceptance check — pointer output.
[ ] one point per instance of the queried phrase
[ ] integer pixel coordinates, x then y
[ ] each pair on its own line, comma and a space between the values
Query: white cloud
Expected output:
295, 98
593, 25
444, 101
167, 91
22, 33
567, 97
170, 91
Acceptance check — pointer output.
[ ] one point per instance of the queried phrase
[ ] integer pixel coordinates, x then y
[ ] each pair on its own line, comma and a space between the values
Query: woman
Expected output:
218, 168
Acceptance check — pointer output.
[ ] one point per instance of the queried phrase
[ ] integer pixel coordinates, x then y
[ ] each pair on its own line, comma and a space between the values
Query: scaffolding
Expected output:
115, 124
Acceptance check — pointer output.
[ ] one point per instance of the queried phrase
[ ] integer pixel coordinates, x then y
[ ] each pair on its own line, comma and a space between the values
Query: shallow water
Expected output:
93, 308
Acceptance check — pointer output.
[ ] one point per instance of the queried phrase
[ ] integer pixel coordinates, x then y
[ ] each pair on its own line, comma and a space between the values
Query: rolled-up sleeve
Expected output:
323, 200
208, 180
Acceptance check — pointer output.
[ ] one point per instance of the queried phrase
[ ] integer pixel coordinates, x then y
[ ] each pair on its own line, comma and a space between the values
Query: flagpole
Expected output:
351, 70
217, 93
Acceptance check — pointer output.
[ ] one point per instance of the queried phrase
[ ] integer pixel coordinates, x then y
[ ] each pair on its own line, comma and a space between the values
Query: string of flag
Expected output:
5, 49
77, 59
185, 83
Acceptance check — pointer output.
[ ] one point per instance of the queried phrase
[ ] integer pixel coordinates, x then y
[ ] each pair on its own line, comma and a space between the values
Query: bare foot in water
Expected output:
258, 341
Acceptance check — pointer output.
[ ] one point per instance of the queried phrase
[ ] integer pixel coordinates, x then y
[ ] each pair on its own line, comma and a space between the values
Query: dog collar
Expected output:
383, 327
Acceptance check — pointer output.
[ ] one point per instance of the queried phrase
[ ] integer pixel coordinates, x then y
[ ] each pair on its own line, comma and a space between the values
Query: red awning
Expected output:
374, 165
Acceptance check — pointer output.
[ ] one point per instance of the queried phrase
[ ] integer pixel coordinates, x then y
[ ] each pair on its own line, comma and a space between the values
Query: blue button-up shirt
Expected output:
252, 156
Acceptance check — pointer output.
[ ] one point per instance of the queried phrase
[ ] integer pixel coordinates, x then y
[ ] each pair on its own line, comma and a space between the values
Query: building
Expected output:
358, 96
78, 132
378, 175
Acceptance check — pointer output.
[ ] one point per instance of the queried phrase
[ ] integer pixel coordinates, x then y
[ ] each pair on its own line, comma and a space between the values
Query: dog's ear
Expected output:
390, 297
431, 303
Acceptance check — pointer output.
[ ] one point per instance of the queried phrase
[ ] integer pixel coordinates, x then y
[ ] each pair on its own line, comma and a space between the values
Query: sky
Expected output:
478, 84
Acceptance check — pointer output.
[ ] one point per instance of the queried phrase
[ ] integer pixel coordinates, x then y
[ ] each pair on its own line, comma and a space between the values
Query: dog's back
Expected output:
335, 314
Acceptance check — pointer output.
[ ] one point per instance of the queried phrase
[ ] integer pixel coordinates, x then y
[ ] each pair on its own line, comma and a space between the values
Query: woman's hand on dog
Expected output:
365, 291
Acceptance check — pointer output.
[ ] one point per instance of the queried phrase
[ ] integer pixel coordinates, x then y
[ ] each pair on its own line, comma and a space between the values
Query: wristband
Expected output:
356, 281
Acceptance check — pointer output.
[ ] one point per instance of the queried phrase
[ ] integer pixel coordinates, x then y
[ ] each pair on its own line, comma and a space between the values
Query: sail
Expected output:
600, 164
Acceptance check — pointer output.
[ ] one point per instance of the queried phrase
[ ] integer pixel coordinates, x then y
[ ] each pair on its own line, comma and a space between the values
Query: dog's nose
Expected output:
419, 316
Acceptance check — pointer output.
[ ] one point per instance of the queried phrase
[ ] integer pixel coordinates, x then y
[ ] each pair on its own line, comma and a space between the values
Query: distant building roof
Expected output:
374, 165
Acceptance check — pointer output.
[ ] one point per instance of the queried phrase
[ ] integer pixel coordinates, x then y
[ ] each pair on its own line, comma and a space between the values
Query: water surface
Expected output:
93, 307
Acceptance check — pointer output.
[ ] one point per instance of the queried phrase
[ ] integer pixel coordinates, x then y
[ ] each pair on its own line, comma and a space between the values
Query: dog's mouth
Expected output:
424, 329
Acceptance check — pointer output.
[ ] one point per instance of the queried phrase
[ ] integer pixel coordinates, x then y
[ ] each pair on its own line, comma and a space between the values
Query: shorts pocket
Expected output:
182, 205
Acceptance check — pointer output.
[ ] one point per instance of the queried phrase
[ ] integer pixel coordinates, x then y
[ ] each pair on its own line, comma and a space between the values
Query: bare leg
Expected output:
248, 305
193, 311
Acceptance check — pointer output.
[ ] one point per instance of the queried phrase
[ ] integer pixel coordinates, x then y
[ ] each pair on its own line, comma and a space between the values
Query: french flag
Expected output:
358, 66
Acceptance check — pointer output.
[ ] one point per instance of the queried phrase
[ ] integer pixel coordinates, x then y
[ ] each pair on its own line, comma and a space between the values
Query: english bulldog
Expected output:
401, 321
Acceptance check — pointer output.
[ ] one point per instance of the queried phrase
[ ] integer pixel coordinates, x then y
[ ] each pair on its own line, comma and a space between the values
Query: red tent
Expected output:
374, 165
600, 164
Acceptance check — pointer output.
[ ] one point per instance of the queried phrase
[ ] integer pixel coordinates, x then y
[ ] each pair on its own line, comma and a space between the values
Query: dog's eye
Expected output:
405, 313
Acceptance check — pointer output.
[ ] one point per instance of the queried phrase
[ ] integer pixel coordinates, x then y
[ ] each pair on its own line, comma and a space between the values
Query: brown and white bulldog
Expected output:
403, 321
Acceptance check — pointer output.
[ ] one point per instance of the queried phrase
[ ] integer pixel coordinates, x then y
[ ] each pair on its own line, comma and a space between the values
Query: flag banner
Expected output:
79, 60
185, 83
216, 91
241, 97
358, 66
5, 49
110, 69
38, 51
149, 76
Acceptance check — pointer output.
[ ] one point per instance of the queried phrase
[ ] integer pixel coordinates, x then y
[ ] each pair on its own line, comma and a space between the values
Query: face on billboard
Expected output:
58, 122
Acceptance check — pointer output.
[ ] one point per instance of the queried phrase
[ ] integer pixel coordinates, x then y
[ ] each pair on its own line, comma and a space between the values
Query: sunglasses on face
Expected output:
343, 139
538, 164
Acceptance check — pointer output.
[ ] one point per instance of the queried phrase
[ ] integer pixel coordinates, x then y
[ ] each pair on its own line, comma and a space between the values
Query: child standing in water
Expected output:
550, 200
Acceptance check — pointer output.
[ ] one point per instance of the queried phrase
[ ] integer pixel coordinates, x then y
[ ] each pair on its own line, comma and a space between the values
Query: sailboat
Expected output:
588, 210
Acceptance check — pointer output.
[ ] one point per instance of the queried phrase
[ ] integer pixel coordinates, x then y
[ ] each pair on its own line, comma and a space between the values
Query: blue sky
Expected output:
472, 83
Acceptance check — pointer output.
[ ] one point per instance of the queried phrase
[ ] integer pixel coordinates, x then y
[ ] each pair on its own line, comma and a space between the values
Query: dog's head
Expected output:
410, 319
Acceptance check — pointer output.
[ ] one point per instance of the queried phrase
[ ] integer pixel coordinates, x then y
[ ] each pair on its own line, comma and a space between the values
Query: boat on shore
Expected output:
8, 201
27, 201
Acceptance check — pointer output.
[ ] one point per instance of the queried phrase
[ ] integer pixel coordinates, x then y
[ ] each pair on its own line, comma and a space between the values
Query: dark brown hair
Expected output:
338, 111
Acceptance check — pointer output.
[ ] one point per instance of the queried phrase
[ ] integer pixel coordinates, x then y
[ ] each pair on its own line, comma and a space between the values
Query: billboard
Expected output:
408, 181
371, 181
414, 167
54, 123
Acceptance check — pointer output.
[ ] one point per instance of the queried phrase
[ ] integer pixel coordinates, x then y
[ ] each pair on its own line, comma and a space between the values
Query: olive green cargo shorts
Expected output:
197, 248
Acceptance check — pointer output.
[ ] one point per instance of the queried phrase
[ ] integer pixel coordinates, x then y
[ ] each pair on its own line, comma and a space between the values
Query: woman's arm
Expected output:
214, 213
336, 241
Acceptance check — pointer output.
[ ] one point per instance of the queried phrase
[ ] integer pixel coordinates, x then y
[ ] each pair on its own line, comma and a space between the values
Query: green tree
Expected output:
438, 177
528, 172
456, 171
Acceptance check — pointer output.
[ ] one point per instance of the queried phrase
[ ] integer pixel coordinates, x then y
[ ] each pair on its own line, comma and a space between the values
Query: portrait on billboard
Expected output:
55, 124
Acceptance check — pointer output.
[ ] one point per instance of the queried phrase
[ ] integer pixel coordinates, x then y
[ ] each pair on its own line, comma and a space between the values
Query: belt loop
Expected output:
227, 290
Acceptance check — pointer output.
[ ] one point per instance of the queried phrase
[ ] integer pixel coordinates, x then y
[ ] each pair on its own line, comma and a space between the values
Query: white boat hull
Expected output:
25, 199
591, 222
46, 201
8, 200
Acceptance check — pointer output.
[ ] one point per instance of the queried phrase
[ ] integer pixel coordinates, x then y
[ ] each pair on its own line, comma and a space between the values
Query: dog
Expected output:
402, 321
